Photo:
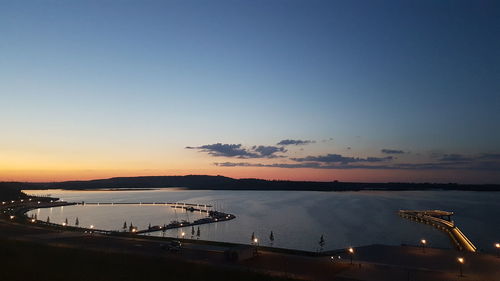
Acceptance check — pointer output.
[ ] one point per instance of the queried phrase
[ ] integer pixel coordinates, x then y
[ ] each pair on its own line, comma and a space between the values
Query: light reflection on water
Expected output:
297, 218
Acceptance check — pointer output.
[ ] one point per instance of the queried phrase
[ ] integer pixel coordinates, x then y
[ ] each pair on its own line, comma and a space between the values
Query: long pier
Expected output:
181, 204
442, 221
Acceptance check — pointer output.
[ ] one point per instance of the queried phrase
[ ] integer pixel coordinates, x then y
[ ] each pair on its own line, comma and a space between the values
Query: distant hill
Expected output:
225, 183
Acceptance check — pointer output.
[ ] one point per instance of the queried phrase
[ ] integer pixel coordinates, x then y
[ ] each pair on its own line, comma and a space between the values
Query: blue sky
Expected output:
89, 85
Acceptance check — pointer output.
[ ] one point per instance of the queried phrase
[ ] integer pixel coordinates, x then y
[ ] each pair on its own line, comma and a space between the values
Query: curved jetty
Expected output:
442, 221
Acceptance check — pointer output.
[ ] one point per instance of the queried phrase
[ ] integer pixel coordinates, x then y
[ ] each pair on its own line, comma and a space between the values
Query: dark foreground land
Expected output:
224, 183
33, 261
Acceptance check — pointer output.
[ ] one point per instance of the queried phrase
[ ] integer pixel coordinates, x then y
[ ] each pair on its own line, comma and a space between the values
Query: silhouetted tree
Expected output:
321, 243
66, 221
131, 227
253, 237
77, 222
198, 233
271, 238
124, 226
149, 226
192, 232
48, 219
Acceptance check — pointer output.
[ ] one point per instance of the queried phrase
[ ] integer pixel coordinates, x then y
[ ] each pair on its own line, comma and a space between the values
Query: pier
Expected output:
179, 204
442, 221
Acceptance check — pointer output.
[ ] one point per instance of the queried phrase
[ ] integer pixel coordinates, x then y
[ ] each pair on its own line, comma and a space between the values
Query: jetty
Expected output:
176, 204
442, 221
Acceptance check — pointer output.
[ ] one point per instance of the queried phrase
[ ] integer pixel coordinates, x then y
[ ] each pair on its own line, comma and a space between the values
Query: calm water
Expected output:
297, 219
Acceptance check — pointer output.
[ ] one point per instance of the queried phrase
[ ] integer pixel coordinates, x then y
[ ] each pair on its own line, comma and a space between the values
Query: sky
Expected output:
381, 91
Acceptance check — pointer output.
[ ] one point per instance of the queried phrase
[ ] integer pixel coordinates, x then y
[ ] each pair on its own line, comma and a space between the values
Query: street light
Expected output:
351, 252
91, 226
460, 262
182, 234
497, 245
12, 217
423, 242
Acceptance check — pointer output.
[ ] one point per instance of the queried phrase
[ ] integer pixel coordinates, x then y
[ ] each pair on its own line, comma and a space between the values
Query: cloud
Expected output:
238, 151
268, 151
225, 150
480, 162
489, 156
275, 165
455, 158
391, 151
337, 158
295, 142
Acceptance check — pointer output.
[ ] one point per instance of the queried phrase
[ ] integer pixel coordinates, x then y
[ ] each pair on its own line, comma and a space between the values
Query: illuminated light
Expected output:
33, 220
497, 245
460, 260
12, 217
22, 200
91, 226
12, 201
63, 224
255, 240
38, 202
134, 230
182, 234
29, 199
423, 241
351, 250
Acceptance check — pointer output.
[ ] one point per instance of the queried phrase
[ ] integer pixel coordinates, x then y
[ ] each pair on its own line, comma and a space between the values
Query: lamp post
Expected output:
423, 242
351, 252
497, 245
460, 263
256, 243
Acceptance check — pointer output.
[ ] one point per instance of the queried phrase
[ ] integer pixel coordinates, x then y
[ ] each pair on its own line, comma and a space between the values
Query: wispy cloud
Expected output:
337, 158
481, 162
391, 151
294, 142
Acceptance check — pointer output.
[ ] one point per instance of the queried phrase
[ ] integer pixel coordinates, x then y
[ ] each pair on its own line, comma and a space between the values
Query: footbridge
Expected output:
442, 221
